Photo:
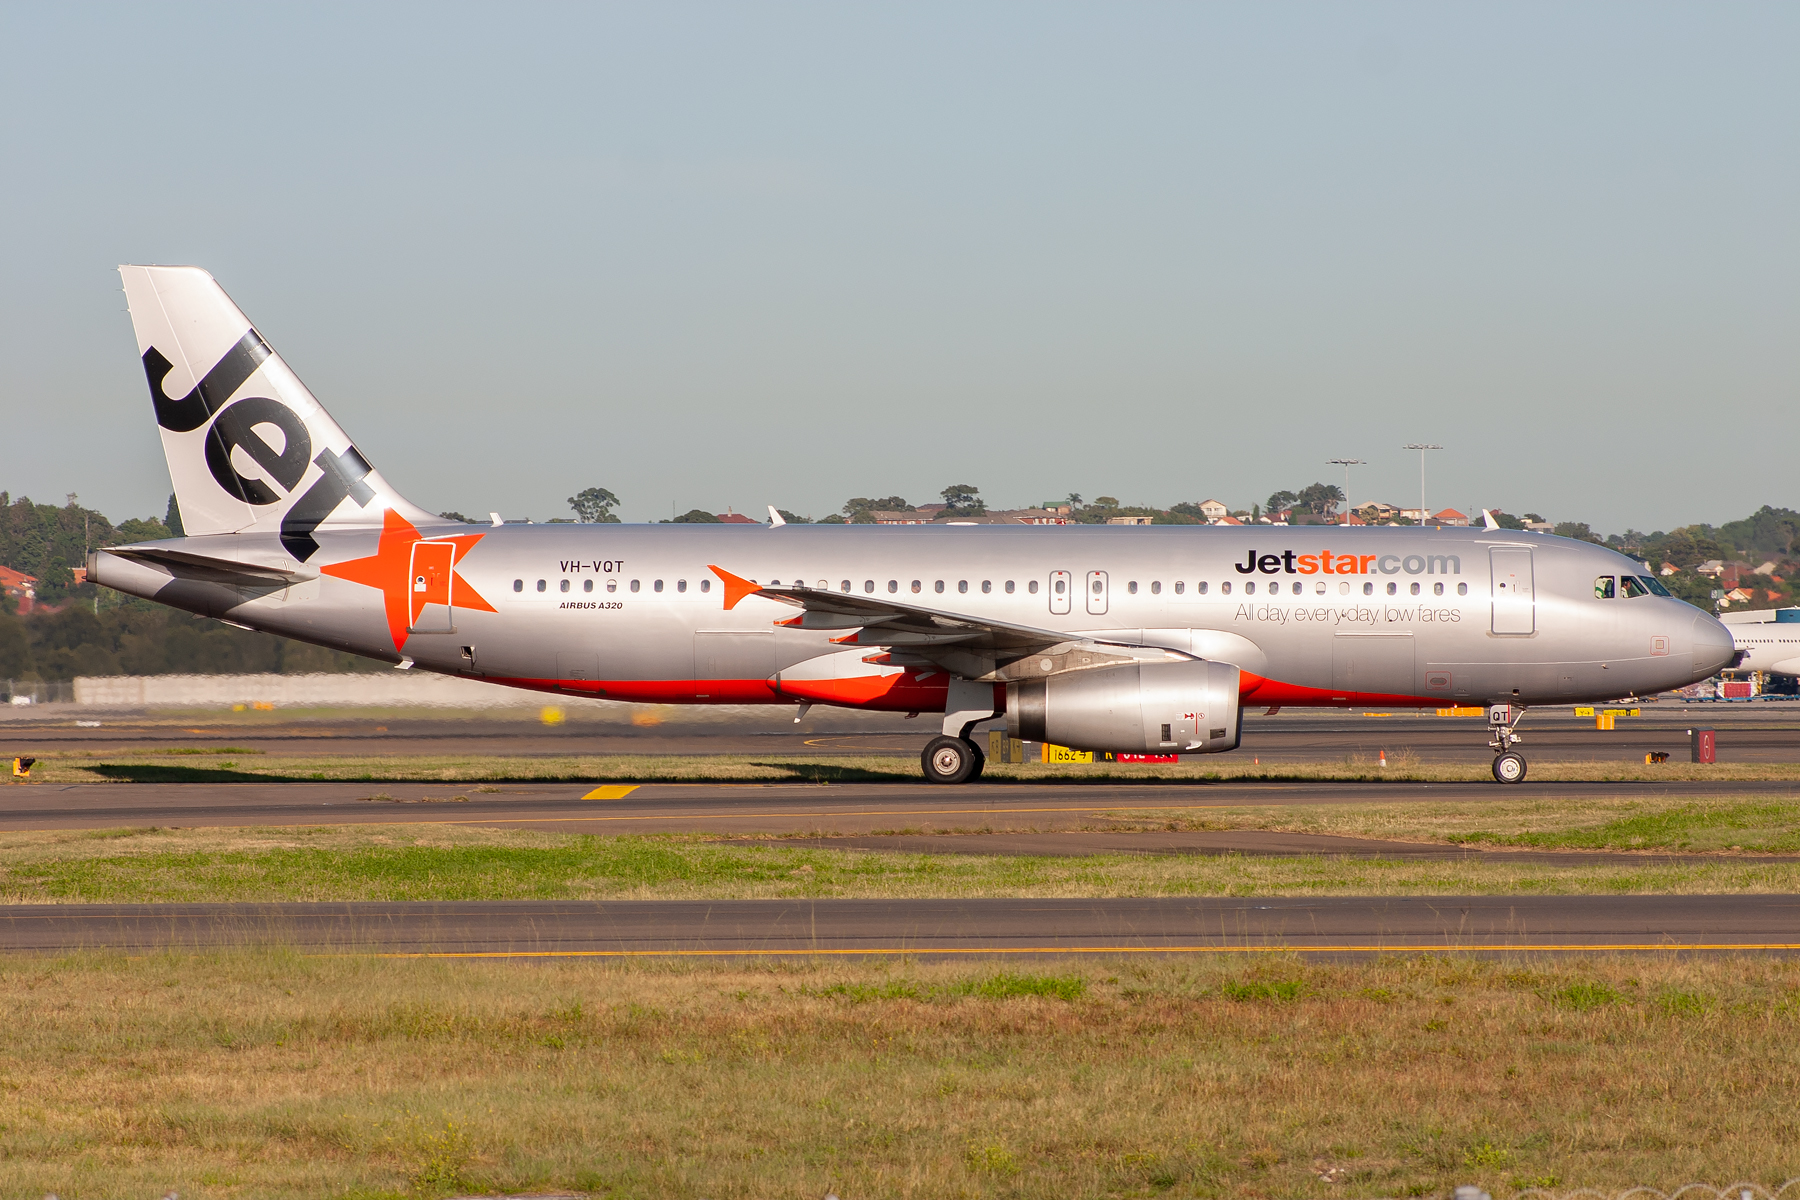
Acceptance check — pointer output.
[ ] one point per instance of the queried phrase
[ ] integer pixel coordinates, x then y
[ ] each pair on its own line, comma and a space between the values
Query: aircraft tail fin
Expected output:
249, 449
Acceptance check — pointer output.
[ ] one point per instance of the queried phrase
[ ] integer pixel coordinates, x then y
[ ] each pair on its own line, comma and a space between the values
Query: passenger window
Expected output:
1156, 587
845, 587
540, 585
1250, 588
657, 586
612, 585
774, 583
987, 585
1224, 588
1319, 587
1629, 585
1130, 588
938, 587
1296, 587
706, 585
893, 585
869, 585
1415, 589
962, 585
916, 587
1393, 588
1032, 587
1180, 587
1059, 587
565, 585
1368, 589
1603, 588
1462, 589
1009, 587
518, 585
681, 585
1437, 589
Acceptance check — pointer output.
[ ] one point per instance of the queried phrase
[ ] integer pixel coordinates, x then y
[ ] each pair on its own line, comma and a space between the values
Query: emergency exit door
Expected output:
1096, 592
1515, 599
429, 592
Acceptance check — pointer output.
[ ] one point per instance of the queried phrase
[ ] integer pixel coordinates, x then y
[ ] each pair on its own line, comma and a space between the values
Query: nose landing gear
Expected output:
1503, 720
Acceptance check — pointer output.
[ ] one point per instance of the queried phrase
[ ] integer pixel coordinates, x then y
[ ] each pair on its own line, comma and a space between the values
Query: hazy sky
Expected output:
742, 254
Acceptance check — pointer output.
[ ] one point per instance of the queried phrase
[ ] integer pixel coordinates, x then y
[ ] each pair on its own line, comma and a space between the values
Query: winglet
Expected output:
1487, 520
776, 521
735, 589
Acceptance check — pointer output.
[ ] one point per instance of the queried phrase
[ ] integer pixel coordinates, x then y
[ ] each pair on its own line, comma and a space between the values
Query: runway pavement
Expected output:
1762, 732
773, 808
1335, 926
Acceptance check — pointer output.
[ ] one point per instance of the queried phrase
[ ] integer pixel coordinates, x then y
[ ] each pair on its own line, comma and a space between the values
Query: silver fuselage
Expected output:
1312, 615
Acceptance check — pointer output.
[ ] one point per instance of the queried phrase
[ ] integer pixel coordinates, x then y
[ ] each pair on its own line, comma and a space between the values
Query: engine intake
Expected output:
1144, 708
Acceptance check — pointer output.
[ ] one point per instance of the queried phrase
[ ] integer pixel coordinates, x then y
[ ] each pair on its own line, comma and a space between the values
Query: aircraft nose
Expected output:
1713, 647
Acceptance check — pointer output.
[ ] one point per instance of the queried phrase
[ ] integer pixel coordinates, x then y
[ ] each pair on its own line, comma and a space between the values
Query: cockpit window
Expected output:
1655, 587
1603, 587
1631, 585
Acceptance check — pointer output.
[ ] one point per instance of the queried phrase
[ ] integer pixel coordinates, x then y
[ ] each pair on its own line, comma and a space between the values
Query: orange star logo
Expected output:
411, 571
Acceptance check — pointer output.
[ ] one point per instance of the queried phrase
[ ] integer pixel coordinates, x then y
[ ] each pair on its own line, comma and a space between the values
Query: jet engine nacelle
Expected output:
1145, 708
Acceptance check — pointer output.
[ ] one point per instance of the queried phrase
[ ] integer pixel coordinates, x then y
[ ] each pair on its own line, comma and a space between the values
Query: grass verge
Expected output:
447, 862
1712, 824
265, 1074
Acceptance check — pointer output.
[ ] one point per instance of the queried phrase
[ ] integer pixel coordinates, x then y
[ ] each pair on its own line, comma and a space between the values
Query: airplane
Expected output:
1134, 639
1768, 639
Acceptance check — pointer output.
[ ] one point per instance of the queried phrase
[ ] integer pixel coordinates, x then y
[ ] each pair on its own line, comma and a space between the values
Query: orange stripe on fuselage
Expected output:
906, 692
927, 696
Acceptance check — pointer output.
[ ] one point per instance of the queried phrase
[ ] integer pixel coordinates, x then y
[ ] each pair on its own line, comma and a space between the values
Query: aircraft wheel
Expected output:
1510, 768
949, 760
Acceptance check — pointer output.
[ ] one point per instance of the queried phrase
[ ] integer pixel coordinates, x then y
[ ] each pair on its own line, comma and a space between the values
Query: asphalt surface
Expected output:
1761, 732
1336, 926
772, 808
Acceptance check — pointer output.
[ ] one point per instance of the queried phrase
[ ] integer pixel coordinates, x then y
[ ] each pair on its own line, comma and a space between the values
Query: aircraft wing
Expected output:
977, 648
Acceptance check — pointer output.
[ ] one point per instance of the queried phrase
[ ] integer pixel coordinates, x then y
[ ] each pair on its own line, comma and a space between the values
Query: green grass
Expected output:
452, 862
1766, 827
269, 1075
1679, 824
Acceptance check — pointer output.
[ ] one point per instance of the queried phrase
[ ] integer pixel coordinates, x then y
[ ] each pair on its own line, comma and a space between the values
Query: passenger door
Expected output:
1061, 583
1096, 592
429, 594
1515, 600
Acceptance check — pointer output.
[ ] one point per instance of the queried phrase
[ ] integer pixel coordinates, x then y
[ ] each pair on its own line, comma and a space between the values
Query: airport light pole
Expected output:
1346, 463
1422, 447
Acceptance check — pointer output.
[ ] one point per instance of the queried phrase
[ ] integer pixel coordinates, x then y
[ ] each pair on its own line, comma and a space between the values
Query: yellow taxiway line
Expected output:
1523, 947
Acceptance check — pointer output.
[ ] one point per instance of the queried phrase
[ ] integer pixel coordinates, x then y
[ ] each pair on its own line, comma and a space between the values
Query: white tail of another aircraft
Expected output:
249, 449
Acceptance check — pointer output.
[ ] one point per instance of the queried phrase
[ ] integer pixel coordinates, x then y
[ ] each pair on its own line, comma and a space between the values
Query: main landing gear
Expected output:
952, 760
1503, 720
954, 757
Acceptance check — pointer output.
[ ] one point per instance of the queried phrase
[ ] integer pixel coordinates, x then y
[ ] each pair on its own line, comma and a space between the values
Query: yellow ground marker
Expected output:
612, 791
